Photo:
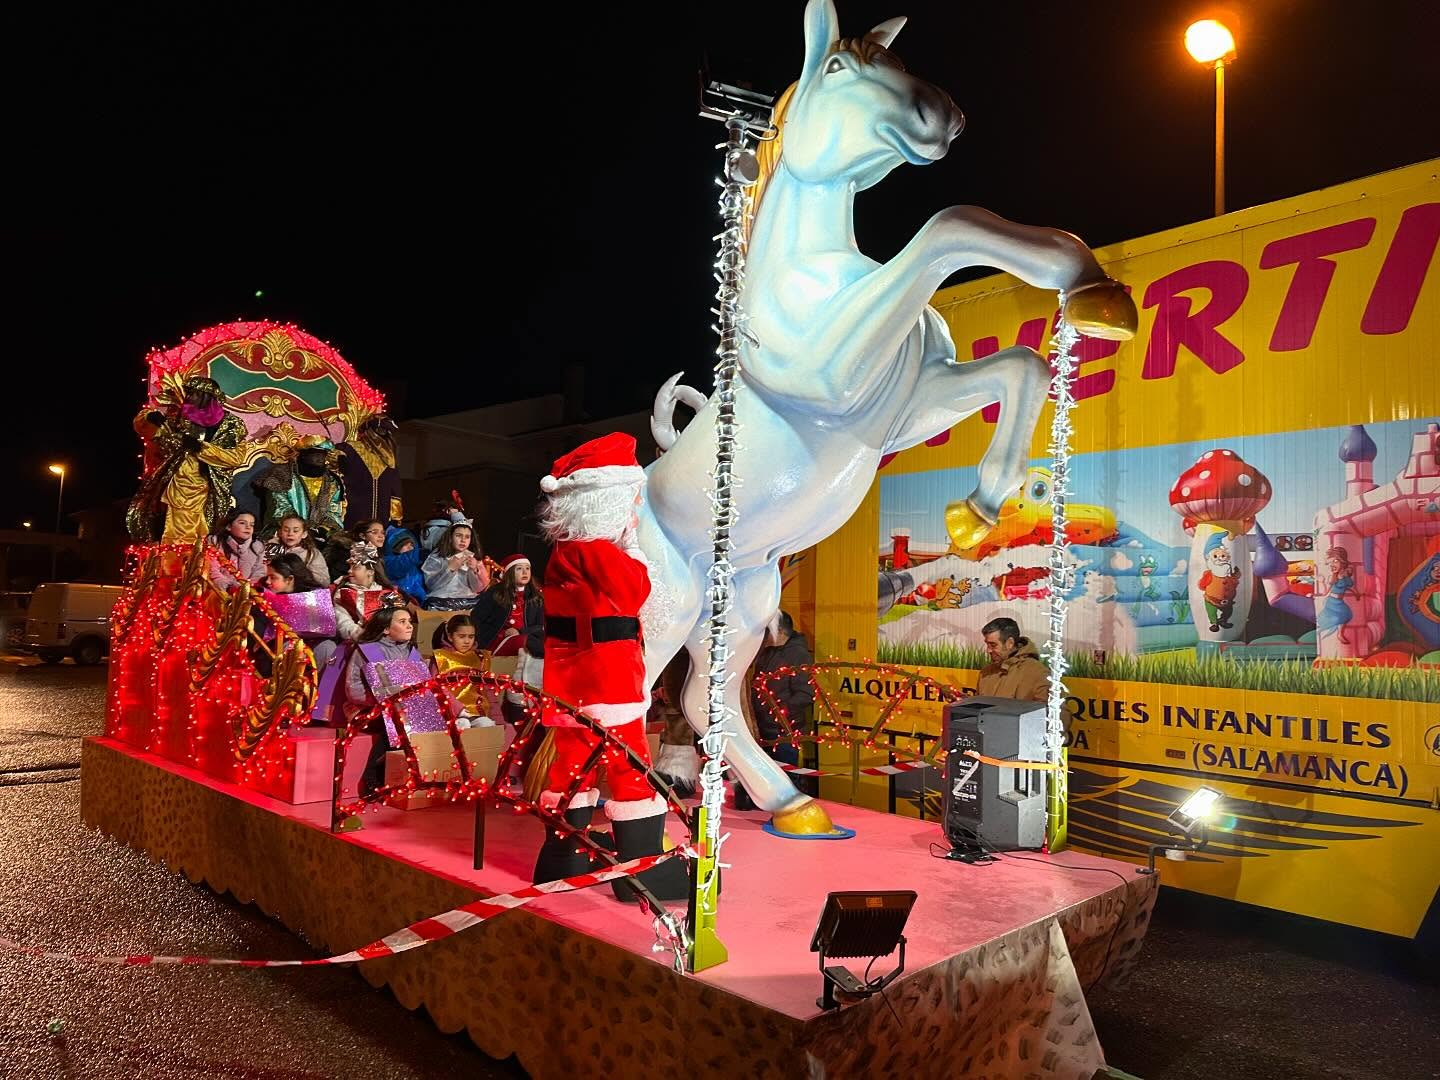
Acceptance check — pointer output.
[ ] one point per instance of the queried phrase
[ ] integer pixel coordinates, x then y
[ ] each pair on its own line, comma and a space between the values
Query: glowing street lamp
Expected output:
26, 524
57, 470
1210, 42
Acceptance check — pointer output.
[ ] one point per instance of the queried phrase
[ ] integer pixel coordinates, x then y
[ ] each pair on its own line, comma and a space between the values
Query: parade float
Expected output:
1256, 557
215, 759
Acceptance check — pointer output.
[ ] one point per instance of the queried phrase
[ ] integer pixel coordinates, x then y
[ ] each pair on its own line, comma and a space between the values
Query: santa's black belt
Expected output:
602, 628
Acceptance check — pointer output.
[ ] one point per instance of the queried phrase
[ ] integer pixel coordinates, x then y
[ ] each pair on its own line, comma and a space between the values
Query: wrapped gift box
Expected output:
434, 754
311, 779
310, 614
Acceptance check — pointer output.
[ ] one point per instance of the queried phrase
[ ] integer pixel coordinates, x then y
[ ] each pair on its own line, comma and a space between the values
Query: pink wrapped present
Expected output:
387, 677
309, 614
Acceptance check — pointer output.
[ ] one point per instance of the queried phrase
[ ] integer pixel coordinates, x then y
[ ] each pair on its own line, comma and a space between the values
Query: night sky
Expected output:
463, 199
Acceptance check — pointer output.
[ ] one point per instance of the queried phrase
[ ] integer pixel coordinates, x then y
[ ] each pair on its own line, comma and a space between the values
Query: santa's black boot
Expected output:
559, 857
638, 837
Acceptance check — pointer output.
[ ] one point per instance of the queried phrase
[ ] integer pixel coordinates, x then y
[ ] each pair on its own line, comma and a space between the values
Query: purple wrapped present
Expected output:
388, 677
309, 614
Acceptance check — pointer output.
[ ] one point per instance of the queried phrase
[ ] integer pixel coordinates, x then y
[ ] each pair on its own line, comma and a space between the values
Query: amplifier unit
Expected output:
986, 806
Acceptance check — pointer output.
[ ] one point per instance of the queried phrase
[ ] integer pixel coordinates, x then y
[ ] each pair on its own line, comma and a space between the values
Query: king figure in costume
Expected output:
595, 584
310, 485
192, 450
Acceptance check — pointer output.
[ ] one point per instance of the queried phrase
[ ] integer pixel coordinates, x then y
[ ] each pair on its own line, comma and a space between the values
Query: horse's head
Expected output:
855, 112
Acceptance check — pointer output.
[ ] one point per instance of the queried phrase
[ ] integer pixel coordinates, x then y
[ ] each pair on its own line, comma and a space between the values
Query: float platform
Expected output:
998, 960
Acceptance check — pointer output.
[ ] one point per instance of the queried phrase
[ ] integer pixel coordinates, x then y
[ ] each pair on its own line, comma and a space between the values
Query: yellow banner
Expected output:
1255, 530
1312, 312
1330, 803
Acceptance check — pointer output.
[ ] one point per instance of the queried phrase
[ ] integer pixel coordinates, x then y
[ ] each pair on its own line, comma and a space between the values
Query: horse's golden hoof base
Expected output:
807, 819
1103, 310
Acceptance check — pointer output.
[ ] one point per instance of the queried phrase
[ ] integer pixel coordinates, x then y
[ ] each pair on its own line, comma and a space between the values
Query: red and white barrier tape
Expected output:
411, 937
872, 770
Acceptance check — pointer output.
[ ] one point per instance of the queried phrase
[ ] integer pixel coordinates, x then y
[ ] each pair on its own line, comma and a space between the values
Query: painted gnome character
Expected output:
1219, 583
595, 583
192, 450
310, 485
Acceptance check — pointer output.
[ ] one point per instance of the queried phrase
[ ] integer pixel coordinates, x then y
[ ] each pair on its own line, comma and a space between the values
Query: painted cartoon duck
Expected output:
1025, 520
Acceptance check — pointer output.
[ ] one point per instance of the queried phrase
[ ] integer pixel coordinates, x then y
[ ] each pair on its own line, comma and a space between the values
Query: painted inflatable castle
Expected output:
1375, 534
1361, 538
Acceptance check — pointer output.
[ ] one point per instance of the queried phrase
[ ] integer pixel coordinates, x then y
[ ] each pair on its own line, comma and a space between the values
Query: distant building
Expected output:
495, 457
95, 552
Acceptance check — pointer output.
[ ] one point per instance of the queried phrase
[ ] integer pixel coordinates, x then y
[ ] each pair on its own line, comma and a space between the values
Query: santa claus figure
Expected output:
595, 583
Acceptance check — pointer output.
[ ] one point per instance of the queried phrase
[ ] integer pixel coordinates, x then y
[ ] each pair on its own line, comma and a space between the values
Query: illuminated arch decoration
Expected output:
271, 372
672, 934
905, 680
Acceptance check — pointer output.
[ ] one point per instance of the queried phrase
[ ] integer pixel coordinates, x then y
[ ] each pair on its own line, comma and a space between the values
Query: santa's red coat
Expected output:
584, 580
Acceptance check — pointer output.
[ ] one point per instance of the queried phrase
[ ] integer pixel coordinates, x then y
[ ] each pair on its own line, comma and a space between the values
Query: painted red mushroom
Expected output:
1220, 489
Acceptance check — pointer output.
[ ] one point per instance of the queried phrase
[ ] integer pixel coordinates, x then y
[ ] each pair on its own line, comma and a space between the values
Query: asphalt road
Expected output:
1222, 991
68, 888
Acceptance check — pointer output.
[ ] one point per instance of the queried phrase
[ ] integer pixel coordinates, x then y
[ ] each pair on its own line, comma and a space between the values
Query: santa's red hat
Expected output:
604, 462
514, 560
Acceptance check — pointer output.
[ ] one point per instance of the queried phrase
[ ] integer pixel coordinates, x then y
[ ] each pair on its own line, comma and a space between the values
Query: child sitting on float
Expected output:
403, 559
292, 537
510, 609
236, 540
303, 603
370, 532
455, 650
385, 662
455, 575
446, 514
366, 591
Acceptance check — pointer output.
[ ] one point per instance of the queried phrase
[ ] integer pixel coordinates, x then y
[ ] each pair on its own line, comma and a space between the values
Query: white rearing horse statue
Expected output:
849, 363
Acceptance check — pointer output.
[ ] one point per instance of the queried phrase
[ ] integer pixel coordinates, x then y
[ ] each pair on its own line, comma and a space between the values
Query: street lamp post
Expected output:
1210, 42
58, 470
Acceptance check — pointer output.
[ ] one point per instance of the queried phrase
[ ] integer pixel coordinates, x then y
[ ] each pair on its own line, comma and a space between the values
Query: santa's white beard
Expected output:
592, 513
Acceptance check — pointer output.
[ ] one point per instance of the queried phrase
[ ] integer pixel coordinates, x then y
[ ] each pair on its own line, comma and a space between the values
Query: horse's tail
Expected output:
662, 416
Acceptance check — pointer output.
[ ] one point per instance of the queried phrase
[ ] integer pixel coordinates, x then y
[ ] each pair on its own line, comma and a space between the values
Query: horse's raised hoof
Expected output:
1102, 310
966, 526
806, 821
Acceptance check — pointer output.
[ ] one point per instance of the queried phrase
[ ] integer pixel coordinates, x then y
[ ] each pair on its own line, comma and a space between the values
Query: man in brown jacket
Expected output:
1015, 669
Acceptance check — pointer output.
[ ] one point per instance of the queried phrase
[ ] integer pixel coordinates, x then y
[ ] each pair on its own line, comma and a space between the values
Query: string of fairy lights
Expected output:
1062, 567
740, 170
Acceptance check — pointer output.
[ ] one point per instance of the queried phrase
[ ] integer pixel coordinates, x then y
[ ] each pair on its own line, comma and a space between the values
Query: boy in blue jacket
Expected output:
403, 558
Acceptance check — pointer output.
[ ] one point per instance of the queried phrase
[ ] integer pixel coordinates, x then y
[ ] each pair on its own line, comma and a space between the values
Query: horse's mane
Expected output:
767, 154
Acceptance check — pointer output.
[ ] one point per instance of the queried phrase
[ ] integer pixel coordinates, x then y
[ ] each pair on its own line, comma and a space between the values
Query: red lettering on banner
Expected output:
1295, 325
1397, 287
1176, 325
1096, 383
1032, 332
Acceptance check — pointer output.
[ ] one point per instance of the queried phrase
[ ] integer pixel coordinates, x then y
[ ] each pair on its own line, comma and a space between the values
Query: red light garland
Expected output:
179, 358
763, 685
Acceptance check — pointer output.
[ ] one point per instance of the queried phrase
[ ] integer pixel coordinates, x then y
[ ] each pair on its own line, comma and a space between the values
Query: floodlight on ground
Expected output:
1191, 818
860, 924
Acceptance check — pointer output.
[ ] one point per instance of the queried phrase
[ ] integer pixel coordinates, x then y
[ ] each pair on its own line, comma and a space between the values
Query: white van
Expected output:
65, 619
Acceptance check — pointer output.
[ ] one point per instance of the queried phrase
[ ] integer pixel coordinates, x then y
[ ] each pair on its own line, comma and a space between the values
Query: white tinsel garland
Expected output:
1062, 569
729, 273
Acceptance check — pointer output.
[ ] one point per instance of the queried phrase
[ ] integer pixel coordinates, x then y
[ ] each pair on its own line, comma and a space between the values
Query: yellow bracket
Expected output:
706, 949
1059, 833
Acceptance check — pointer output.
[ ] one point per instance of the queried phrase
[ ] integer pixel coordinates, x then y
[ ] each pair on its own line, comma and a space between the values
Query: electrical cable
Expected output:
884, 991
991, 855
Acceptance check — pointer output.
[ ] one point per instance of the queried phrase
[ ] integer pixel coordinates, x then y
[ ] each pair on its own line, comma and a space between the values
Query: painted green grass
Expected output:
1187, 669
934, 654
